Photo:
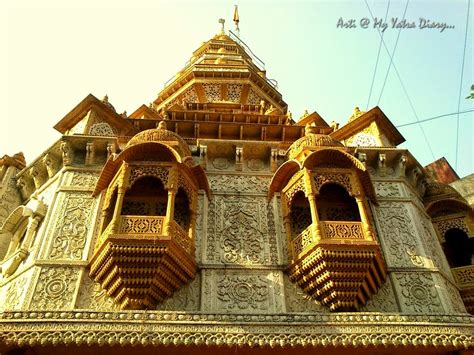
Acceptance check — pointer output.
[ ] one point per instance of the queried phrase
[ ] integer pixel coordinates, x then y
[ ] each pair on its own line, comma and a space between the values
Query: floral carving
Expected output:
72, 227
185, 299
418, 293
55, 288
446, 224
238, 183
342, 179
298, 301
398, 235
141, 171
255, 164
15, 292
243, 292
387, 189
238, 231
383, 300
84, 179
93, 296
101, 129
221, 163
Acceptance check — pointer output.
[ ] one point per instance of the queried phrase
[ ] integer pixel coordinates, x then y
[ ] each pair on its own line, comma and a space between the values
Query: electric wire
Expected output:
393, 54
377, 61
403, 86
460, 84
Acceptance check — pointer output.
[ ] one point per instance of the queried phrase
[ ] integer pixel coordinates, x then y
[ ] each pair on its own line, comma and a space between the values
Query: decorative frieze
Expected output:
383, 301
239, 184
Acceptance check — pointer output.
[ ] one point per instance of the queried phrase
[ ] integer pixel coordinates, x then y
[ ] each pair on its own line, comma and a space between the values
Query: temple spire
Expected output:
222, 22
236, 20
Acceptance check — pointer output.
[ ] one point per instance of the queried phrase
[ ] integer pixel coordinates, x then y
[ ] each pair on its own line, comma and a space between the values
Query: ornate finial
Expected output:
105, 99
310, 128
334, 125
124, 114
306, 113
356, 113
236, 20
222, 22
162, 125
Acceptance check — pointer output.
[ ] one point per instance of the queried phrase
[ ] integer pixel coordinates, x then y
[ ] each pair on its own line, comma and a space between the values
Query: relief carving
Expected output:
398, 235
298, 301
72, 225
84, 179
241, 231
418, 293
55, 288
383, 300
93, 296
236, 183
387, 189
185, 299
15, 292
247, 293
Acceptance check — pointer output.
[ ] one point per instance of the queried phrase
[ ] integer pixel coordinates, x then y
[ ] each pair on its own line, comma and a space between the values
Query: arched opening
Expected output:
300, 214
458, 247
146, 197
181, 209
335, 204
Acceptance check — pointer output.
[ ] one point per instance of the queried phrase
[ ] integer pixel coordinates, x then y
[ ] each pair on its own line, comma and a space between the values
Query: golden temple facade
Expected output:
211, 220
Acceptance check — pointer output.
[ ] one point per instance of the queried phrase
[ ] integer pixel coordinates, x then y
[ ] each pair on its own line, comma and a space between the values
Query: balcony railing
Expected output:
302, 241
141, 225
341, 230
464, 276
329, 230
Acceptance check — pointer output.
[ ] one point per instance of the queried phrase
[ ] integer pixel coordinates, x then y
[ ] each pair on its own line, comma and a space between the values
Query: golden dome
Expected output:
161, 135
312, 140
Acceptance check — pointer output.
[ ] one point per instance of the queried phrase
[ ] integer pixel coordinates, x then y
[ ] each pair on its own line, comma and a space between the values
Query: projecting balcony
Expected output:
142, 260
337, 263
330, 230
464, 277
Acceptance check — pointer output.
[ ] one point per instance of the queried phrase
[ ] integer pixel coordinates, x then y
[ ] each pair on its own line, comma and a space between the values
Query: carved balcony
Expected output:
465, 280
142, 260
337, 264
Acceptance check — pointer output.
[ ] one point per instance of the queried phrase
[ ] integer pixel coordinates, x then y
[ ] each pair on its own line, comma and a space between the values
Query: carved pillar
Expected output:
110, 149
38, 176
170, 210
366, 225
274, 159
238, 158
382, 164
90, 154
289, 233
314, 217
118, 209
67, 153
203, 155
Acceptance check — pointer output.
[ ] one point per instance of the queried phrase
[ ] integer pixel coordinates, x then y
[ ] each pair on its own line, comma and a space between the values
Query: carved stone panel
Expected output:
298, 301
239, 184
55, 288
81, 179
388, 189
241, 231
14, 293
72, 226
417, 293
185, 299
383, 301
398, 235
239, 291
93, 296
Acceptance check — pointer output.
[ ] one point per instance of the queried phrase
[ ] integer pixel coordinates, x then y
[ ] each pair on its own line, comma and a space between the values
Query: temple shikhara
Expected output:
213, 221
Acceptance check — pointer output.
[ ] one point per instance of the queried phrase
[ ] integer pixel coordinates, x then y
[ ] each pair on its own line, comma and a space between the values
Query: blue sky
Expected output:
58, 52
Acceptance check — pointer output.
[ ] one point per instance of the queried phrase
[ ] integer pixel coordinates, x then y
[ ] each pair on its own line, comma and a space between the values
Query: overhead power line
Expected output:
377, 61
393, 54
460, 83
403, 86
433, 118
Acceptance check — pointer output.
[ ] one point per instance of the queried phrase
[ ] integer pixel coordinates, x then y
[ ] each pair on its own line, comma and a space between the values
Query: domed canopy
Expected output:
312, 140
161, 134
